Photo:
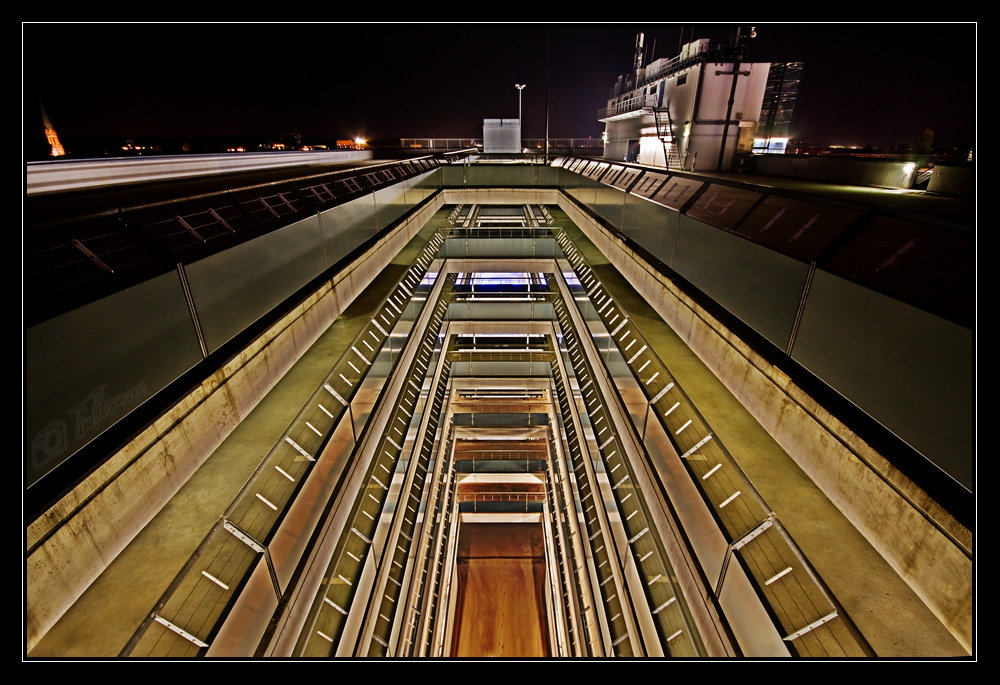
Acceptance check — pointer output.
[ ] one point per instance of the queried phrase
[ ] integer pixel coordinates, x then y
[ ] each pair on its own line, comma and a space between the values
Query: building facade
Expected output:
695, 111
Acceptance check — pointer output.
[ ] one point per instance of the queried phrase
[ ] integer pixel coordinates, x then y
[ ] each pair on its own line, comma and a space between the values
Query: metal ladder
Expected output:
665, 132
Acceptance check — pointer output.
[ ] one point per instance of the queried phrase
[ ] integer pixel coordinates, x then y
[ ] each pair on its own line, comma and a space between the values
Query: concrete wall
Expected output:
74, 541
953, 180
883, 173
924, 544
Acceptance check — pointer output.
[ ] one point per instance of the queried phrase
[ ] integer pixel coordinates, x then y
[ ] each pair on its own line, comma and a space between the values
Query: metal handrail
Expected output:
631, 104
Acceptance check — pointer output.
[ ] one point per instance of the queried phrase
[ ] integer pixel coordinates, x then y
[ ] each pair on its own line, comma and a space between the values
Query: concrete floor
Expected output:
888, 613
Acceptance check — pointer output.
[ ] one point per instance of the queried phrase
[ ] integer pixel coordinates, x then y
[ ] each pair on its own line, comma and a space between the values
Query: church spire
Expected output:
50, 134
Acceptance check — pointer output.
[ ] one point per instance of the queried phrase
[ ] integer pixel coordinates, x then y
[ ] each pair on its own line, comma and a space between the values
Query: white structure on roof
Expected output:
695, 111
501, 136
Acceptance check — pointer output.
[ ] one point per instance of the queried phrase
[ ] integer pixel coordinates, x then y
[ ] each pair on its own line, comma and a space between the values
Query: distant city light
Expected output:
357, 143
129, 146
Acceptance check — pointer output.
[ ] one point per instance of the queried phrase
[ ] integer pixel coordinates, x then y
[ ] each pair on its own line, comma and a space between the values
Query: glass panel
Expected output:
346, 227
909, 369
125, 348
759, 286
232, 289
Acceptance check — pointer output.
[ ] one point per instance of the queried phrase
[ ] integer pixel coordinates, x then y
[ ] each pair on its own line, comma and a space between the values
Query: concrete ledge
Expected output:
73, 542
922, 543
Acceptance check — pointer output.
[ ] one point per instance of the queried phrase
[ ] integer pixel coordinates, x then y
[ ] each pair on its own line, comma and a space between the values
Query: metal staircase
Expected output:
667, 135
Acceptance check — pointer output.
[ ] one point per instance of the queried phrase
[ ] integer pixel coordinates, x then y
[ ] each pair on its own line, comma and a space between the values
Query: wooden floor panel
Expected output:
500, 609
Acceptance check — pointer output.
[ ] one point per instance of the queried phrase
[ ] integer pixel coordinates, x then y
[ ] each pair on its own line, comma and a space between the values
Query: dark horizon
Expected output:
862, 83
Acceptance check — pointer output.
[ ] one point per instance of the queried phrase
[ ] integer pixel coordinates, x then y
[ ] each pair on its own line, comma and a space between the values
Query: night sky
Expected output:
862, 83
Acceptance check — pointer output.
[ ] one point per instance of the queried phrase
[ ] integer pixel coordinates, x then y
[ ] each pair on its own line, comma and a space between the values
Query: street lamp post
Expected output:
519, 87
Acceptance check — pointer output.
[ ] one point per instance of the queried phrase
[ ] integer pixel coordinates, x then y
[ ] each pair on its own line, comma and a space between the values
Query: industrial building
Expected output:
701, 109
